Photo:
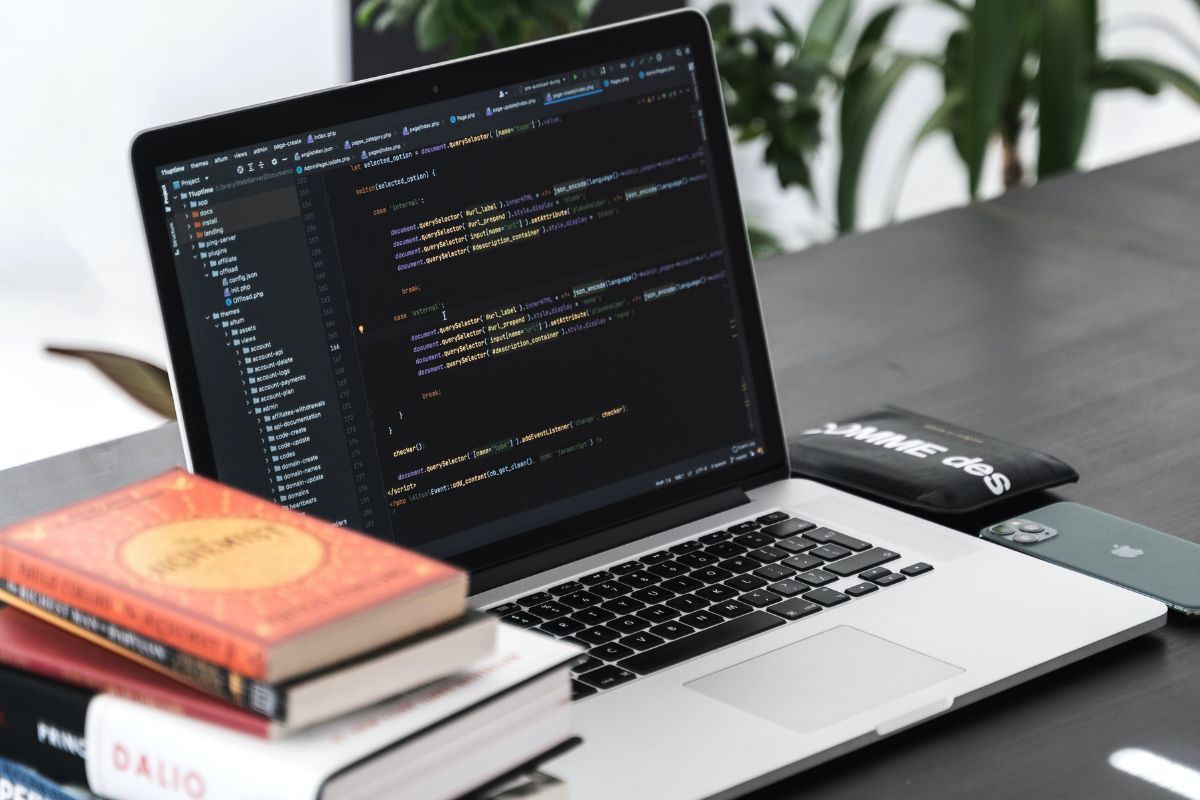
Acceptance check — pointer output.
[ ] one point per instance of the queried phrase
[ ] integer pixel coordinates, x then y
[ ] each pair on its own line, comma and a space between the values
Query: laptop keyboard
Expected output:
640, 616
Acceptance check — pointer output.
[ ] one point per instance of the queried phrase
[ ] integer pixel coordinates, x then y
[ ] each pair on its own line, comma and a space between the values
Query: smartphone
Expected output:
1147, 561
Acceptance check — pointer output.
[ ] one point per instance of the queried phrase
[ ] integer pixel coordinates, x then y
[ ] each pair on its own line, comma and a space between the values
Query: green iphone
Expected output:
1147, 561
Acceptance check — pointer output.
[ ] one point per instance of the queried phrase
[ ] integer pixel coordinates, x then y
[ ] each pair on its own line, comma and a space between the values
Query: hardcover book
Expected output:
29, 644
434, 743
218, 587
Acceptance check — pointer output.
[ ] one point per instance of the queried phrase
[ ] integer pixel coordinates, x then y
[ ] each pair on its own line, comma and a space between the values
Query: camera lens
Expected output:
1032, 527
1003, 530
1025, 538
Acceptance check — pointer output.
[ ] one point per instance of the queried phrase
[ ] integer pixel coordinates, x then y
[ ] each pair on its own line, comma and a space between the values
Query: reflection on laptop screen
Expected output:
465, 320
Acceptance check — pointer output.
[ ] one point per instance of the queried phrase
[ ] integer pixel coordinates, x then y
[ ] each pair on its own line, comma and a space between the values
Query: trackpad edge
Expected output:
828, 677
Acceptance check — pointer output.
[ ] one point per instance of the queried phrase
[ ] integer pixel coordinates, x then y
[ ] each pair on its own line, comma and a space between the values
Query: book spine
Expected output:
44, 725
263, 699
91, 596
140, 753
17, 781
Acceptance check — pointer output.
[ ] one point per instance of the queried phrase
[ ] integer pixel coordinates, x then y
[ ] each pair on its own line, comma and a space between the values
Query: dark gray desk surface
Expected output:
1066, 317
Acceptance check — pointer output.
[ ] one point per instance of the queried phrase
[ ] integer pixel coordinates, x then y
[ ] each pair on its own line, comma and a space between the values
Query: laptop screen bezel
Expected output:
155, 148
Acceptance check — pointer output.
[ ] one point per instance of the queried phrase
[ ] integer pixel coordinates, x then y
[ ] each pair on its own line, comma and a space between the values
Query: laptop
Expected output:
502, 310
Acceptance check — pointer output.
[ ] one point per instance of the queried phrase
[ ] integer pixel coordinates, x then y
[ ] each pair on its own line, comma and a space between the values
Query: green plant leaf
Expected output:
1066, 54
1142, 72
826, 28
720, 20
1107, 75
144, 382
992, 52
366, 10
432, 26
857, 127
866, 89
763, 243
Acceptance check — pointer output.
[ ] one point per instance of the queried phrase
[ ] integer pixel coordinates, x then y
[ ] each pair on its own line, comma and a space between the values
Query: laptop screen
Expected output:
454, 322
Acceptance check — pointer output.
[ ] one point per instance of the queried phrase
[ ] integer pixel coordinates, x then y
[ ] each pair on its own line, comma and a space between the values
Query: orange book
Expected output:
215, 585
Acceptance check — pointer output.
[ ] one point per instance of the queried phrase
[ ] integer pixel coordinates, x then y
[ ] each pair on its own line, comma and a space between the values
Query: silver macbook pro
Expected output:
502, 310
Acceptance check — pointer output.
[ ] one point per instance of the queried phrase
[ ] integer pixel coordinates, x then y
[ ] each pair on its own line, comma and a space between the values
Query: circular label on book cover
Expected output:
223, 555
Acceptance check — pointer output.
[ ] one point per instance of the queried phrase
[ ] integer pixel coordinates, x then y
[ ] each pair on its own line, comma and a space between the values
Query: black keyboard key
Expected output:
701, 642
725, 549
623, 605
754, 539
565, 588
702, 619
862, 561
829, 552
658, 613
739, 564
687, 603
820, 535
913, 570
772, 518
760, 598
827, 536
653, 594
789, 527
503, 608
550, 610
802, 563
731, 608
774, 572
535, 599
592, 616
596, 577
816, 577
672, 630
563, 626
794, 608
611, 651
711, 574
580, 599
668, 569
523, 620
767, 554
642, 641
849, 542
626, 568
796, 544
639, 579
607, 677
581, 690
789, 588
586, 664
715, 536
874, 572
859, 589
826, 597
745, 583
611, 589
683, 548
744, 527
698, 559
655, 558
716, 593
628, 624
597, 635
682, 584
888, 580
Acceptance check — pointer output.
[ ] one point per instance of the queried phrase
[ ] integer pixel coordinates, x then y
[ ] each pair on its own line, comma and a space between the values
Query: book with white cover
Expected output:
439, 741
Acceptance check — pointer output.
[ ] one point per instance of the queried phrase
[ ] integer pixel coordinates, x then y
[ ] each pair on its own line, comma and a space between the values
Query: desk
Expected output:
1066, 317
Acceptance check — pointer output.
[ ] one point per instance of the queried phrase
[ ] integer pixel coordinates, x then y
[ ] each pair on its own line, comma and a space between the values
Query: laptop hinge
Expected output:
525, 565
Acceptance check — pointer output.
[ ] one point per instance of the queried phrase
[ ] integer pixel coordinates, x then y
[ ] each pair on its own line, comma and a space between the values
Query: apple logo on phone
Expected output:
1125, 551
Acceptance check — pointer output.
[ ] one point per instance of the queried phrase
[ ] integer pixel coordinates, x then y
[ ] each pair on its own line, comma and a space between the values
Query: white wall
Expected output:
77, 80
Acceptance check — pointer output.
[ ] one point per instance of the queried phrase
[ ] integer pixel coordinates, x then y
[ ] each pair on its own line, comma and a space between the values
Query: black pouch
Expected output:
923, 463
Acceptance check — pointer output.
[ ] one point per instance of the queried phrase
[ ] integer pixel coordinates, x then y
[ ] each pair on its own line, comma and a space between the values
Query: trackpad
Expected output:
824, 679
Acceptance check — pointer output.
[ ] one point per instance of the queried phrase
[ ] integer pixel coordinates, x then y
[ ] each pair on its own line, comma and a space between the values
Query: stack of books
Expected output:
181, 639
